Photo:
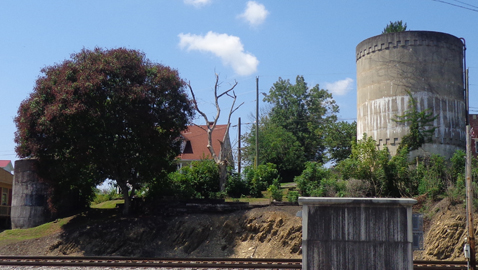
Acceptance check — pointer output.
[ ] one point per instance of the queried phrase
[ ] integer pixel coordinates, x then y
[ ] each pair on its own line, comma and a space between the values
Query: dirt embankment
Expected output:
268, 232
445, 232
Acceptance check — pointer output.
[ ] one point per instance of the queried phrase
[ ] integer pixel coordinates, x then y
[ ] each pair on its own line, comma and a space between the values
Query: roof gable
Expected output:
6, 165
197, 138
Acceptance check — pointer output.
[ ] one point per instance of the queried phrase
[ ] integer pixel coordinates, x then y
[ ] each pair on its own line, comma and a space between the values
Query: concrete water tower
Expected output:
427, 64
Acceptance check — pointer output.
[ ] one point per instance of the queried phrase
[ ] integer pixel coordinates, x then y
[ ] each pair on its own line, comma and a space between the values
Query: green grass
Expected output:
288, 185
17, 235
264, 200
107, 204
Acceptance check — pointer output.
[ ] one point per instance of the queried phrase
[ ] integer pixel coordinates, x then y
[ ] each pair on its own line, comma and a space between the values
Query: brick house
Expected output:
474, 134
194, 144
6, 182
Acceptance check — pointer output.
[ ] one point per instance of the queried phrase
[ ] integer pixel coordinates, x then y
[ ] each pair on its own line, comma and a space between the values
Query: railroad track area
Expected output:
156, 263
437, 265
69, 262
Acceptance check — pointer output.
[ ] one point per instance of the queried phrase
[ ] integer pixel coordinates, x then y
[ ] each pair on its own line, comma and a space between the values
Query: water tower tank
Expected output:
429, 65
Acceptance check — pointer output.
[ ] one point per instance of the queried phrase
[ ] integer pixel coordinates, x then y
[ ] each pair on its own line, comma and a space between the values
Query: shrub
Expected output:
236, 187
293, 196
260, 179
432, 181
357, 188
309, 181
275, 191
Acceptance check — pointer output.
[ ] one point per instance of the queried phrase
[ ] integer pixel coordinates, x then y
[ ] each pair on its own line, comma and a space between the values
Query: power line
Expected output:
444, 2
465, 3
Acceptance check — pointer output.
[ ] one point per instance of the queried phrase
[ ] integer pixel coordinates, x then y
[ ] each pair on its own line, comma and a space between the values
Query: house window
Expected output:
4, 196
188, 149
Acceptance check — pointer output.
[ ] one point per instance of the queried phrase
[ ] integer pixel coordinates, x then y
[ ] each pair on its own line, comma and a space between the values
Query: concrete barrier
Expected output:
356, 233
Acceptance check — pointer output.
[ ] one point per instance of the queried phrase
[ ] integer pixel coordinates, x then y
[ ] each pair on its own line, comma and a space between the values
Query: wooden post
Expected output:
257, 122
469, 191
239, 146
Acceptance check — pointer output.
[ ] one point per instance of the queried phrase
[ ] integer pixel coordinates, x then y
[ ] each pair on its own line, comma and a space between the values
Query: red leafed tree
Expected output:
104, 114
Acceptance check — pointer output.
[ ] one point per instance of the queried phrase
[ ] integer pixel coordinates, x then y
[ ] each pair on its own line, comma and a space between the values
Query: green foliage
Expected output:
236, 187
457, 191
387, 176
305, 112
261, 178
394, 27
432, 181
106, 195
293, 196
198, 181
420, 125
277, 146
339, 140
103, 114
309, 182
458, 162
275, 191
401, 182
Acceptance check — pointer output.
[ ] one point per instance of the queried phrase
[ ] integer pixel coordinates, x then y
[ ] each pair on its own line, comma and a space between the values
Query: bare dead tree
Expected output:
221, 159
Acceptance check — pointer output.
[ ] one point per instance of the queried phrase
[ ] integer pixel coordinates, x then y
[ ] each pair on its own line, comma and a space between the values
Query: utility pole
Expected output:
257, 121
239, 147
469, 192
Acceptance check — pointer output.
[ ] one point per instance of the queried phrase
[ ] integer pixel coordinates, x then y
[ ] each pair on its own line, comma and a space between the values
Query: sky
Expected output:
238, 40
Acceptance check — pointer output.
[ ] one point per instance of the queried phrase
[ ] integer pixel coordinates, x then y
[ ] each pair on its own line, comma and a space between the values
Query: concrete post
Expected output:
357, 233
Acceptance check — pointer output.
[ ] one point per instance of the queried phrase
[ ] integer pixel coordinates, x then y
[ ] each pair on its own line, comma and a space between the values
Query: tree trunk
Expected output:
222, 174
127, 201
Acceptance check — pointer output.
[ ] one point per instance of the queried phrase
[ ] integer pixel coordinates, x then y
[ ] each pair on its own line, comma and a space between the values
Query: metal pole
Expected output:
239, 147
469, 192
257, 122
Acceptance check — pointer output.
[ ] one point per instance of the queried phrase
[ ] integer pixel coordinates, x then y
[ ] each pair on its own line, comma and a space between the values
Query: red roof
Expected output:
4, 163
197, 138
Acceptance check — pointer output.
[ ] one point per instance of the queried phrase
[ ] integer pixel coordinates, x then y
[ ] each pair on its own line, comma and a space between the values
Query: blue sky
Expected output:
239, 40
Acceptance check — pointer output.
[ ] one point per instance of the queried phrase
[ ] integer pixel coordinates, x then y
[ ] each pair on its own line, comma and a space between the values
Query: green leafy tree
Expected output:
394, 27
277, 146
339, 140
305, 112
420, 124
104, 114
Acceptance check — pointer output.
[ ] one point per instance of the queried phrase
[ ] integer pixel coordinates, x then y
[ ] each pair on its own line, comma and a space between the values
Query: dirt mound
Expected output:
445, 232
268, 232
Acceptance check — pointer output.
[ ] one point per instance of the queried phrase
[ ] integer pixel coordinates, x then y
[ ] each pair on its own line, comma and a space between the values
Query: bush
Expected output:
260, 179
275, 191
293, 196
432, 181
357, 188
236, 187
309, 181
198, 181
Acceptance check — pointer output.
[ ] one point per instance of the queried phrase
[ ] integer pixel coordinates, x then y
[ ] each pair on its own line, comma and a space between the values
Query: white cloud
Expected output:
340, 88
197, 3
228, 48
255, 13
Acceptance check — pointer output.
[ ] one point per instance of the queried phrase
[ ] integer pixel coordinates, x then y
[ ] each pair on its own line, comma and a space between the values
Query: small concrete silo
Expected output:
30, 196
427, 64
